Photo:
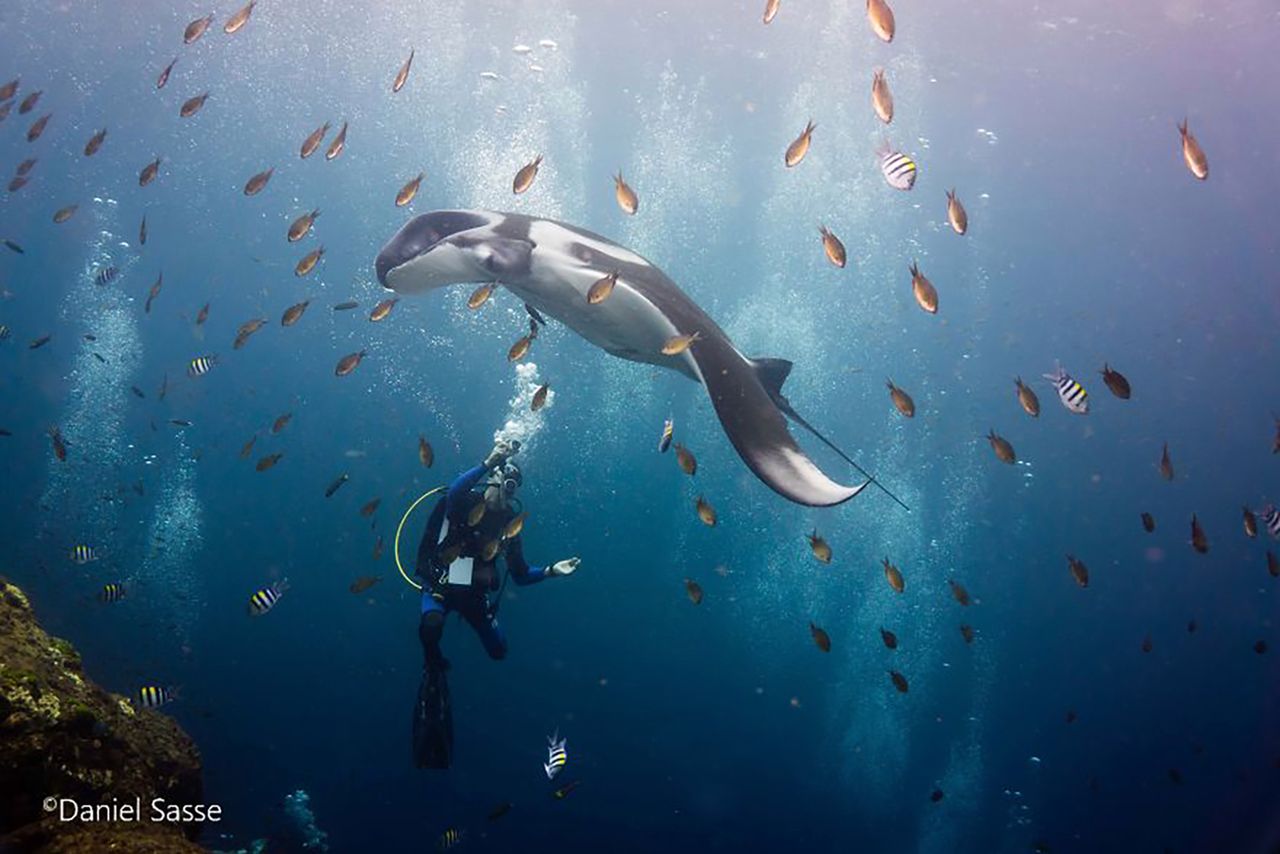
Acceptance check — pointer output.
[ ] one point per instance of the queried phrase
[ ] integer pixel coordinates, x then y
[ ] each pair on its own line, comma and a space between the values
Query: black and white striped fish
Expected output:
899, 170
265, 598
154, 696
1070, 392
201, 365
111, 593
83, 554
557, 756
106, 276
1271, 518
4, 332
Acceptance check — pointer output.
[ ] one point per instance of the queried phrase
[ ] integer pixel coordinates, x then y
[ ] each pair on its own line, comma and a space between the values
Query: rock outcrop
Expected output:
62, 736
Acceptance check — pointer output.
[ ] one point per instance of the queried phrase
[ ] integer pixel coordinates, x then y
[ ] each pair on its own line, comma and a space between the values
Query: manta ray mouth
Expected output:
419, 236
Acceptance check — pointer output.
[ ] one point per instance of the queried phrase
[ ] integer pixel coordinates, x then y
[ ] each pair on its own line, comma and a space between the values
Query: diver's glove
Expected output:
564, 567
502, 449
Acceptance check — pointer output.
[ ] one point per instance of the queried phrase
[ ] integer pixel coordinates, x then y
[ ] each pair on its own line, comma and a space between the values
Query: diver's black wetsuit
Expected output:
433, 721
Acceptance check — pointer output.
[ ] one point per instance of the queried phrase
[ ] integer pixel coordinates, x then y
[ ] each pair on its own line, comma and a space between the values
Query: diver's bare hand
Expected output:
565, 567
502, 450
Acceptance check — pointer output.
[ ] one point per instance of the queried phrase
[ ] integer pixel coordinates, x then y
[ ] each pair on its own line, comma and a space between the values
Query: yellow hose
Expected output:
395, 549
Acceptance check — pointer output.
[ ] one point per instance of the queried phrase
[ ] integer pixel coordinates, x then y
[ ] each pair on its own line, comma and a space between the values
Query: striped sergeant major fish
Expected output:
450, 838
557, 756
668, 430
899, 170
83, 554
111, 593
4, 332
265, 598
1070, 392
201, 365
155, 696
1271, 518
106, 276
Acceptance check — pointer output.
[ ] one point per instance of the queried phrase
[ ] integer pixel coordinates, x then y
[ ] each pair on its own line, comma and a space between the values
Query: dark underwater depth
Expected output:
761, 709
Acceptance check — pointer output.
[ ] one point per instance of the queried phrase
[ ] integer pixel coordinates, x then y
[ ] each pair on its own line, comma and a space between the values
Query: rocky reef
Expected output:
62, 736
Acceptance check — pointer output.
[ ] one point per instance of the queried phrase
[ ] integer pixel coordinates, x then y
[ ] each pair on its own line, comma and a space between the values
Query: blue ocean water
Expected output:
718, 727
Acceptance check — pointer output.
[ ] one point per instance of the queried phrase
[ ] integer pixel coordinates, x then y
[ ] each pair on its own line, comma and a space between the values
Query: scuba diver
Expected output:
466, 534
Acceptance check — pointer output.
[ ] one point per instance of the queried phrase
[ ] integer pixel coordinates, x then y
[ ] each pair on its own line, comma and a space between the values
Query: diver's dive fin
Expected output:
773, 373
433, 721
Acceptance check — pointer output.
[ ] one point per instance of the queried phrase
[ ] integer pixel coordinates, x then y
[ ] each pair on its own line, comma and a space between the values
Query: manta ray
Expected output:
551, 266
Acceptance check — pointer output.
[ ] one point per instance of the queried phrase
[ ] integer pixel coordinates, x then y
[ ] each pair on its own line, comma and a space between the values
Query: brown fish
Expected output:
339, 143
1199, 541
515, 526
202, 315
901, 400
1079, 571
149, 172
313, 140
308, 262
966, 632
426, 455
881, 97
192, 105
894, 576
4, 110
408, 191
403, 74
881, 18
476, 514
490, 550
294, 313
25, 167
687, 461
196, 29
1115, 381
382, 309
1148, 522
956, 214
627, 199
280, 423
9, 89
268, 461
1027, 398
771, 10
602, 288
29, 103
300, 226
1275, 442
832, 246
693, 590
819, 547
346, 306
899, 681
256, 184
95, 142
247, 448
1273, 565
1250, 523
1003, 450
18, 183
370, 507
154, 292
142, 231
925, 293
706, 512
800, 146
820, 638
481, 295
1146, 644
889, 638
237, 21
63, 214
348, 363
37, 127
1192, 154
59, 445
677, 344
1166, 465
164, 75
959, 593
524, 178
363, 583
539, 397
520, 349
246, 329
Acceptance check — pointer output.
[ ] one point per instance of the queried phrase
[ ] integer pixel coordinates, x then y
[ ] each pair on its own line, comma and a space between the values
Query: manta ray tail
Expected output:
773, 373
